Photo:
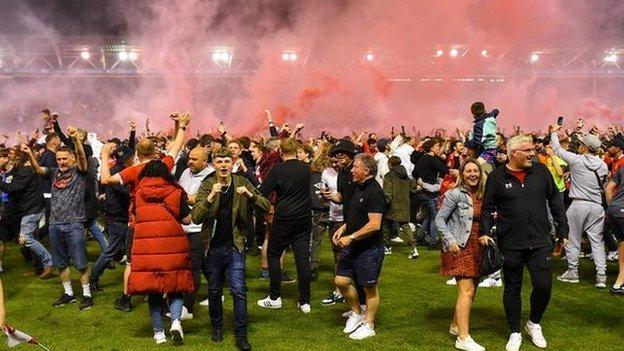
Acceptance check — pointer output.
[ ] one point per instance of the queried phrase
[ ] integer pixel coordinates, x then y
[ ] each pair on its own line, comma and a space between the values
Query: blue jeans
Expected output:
117, 232
28, 226
95, 230
156, 302
430, 203
222, 262
67, 240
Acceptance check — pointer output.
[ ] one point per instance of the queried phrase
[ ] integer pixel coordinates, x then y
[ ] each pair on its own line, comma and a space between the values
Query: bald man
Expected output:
190, 180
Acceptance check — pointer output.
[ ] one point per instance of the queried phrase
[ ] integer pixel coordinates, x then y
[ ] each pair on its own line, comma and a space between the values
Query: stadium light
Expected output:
484, 53
293, 56
439, 53
612, 58
289, 56
369, 56
221, 56
454, 52
85, 55
133, 56
123, 56
534, 57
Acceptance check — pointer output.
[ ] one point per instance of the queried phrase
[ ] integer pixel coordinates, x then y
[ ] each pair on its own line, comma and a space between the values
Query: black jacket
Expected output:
117, 200
24, 191
522, 214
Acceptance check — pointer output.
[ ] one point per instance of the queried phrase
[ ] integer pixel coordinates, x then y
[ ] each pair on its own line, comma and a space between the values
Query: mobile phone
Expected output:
560, 120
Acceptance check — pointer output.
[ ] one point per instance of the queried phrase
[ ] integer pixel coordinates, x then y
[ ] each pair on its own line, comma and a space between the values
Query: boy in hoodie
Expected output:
398, 187
483, 133
586, 213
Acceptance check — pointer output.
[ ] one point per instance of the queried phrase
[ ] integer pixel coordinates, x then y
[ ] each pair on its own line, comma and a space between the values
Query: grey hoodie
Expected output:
584, 183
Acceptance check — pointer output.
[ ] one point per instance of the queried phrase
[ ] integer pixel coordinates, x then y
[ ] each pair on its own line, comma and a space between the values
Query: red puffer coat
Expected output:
160, 249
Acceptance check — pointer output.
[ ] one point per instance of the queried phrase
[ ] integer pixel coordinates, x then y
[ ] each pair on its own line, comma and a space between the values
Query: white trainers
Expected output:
451, 281
364, 331
453, 330
397, 240
535, 332
601, 281
204, 303
387, 250
569, 277
305, 308
413, 254
270, 304
185, 316
348, 313
468, 344
176, 332
160, 337
515, 340
491, 283
354, 321
613, 256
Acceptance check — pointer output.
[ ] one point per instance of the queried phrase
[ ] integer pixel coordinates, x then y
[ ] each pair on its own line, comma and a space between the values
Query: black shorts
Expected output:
361, 264
9, 227
617, 224
129, 236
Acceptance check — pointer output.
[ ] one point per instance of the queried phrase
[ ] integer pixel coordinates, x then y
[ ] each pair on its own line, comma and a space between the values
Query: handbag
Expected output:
492, 259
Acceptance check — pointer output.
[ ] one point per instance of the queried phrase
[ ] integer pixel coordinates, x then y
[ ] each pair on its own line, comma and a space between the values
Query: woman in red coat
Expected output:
160, 249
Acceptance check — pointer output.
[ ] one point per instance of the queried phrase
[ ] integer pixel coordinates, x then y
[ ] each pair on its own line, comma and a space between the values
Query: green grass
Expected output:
416, 308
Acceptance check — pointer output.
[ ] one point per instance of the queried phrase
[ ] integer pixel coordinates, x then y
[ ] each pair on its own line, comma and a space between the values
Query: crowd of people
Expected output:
176, 208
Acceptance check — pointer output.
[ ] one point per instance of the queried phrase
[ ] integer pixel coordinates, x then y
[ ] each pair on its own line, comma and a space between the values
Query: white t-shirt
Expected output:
330, 177
382, 167
191, 182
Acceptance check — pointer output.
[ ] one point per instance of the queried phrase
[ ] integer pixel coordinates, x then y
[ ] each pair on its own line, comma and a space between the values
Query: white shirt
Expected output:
404, 152
382, 167
191, 182
330, 177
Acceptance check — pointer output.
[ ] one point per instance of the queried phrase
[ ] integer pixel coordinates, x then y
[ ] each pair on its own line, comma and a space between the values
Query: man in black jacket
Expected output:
23, 187
518, 194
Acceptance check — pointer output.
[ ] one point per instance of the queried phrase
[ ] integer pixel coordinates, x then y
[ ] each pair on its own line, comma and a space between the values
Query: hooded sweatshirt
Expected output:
582, 172
397, 187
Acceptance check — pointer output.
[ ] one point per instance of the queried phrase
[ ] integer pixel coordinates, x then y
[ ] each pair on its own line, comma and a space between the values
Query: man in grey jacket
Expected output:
585, 214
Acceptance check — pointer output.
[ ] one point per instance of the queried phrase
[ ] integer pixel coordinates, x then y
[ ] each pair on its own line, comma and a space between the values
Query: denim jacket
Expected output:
454, 219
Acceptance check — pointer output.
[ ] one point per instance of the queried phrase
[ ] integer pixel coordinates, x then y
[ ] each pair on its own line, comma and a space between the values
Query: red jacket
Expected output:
160, 249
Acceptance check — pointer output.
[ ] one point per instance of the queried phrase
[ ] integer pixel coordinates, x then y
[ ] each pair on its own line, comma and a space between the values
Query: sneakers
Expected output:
601, 281
176, 332
514, 342
568, 277
264, 274
64, 300
348, 313
286, 279
204, 303
387, 250
305, 308
453, 330
47, 273
160, 337
397, 240
364, 331
491, 283
217, 334
95, 286
613, 256
124, 303
332, 299
468, 344
184, 316
353, 322
535, 332
270, 304
86, 303
413, 254
617, 290
451, 281
242, 344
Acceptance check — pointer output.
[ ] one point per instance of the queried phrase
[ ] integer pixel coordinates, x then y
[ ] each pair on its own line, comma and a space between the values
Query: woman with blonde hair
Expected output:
458, 228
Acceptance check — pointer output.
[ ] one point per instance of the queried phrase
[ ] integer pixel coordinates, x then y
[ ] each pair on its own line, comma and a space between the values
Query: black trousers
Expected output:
539, 263
282, 236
